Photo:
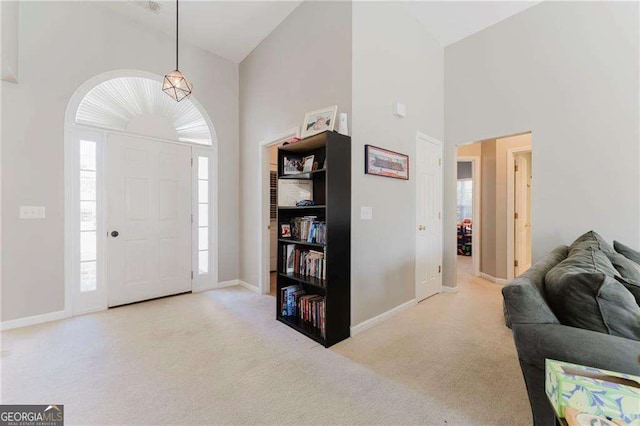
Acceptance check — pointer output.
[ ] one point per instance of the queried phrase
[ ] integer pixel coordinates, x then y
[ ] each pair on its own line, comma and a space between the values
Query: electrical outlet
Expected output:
32, 212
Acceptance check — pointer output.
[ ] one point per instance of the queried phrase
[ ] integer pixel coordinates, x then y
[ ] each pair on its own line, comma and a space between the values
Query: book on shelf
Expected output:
309, 308
309, 229
305, 262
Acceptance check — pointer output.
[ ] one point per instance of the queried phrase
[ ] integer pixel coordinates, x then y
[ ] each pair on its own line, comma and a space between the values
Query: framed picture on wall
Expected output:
319, 121
382, 162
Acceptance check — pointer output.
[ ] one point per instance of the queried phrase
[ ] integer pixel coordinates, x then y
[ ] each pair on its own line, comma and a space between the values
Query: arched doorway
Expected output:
140, 193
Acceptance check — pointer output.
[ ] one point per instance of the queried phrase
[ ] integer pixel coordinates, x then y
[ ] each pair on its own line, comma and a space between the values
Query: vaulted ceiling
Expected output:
451, 21
232, 29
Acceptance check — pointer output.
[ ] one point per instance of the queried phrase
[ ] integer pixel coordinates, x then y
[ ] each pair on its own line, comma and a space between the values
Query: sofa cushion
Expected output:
627, 252
632, 285
590, 239
626, 267
586, 259
594, 301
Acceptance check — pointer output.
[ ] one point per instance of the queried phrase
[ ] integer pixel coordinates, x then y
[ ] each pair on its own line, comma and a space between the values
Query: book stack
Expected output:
309, 229
301, 261
308, 308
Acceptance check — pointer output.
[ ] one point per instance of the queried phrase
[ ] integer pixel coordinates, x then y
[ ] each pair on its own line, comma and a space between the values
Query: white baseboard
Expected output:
365, 325
488, 277
216, 286
447, 289
205, 287
33, 320
248, 286
229, 283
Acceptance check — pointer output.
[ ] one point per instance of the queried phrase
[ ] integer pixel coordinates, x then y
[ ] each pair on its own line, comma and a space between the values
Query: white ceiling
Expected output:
232, 29
451, 21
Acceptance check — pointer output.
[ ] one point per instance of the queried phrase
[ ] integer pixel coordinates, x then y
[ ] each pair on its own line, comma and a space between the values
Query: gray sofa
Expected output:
539, 335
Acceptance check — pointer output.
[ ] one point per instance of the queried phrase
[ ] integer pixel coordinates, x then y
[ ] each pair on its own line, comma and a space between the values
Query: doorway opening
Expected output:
140, 194
494, 205
273, 217
268, 220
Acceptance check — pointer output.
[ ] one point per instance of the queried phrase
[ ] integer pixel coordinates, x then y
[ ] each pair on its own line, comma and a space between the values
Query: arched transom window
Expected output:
138, 105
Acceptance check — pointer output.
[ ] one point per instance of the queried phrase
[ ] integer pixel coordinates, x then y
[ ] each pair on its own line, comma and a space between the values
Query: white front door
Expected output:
428, 217
148, 219
522, 221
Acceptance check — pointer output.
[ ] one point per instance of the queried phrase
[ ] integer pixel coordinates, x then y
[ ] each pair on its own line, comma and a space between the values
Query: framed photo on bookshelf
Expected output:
285, 230
308, 163
320, 120
382, 162
292, 165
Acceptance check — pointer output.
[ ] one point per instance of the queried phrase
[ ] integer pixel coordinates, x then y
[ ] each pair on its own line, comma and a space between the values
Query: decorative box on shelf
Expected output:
594, 391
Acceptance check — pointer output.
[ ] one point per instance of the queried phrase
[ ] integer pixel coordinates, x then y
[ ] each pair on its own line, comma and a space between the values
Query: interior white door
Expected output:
428, 218
521, 220
148, 219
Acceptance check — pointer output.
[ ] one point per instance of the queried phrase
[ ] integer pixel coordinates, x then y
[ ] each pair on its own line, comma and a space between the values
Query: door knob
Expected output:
421, 227
114, 234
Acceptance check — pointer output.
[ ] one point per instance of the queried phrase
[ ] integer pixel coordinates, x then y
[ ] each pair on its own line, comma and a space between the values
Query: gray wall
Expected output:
54, 62
303, 65
568, 72
394, 59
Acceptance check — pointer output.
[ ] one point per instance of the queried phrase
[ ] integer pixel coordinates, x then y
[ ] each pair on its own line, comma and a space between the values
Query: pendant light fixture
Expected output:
175, 84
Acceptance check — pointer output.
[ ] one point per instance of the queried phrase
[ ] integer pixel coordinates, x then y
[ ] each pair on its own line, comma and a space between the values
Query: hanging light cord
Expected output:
177, 34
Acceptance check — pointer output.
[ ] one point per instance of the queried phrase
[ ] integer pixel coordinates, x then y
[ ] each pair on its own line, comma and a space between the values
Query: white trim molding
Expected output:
33, 320
230, 283
447, 289
250, 287
476, 176
215, 286
76, 303
511, 208
379, 319
493, 279
264, 219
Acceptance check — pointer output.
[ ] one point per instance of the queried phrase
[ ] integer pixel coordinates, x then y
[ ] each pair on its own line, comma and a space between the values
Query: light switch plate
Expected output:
366, 213
32, 212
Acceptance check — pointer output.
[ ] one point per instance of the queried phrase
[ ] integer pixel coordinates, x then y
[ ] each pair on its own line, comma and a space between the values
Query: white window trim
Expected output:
208, 281
91, 301
76, 303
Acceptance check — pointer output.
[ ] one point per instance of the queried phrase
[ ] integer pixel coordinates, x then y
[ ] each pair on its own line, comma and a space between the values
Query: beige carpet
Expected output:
219, 357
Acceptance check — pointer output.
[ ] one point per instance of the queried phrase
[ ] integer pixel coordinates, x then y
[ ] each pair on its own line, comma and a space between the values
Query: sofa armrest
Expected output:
536, 342
525, 304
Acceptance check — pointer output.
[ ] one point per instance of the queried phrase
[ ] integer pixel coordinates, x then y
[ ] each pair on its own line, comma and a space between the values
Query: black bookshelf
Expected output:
332, 195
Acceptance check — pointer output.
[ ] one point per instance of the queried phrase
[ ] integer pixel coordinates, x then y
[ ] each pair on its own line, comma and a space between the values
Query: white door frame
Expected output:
511, 208
475, 161
417, 279
73, 134
71, 151
264, 219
